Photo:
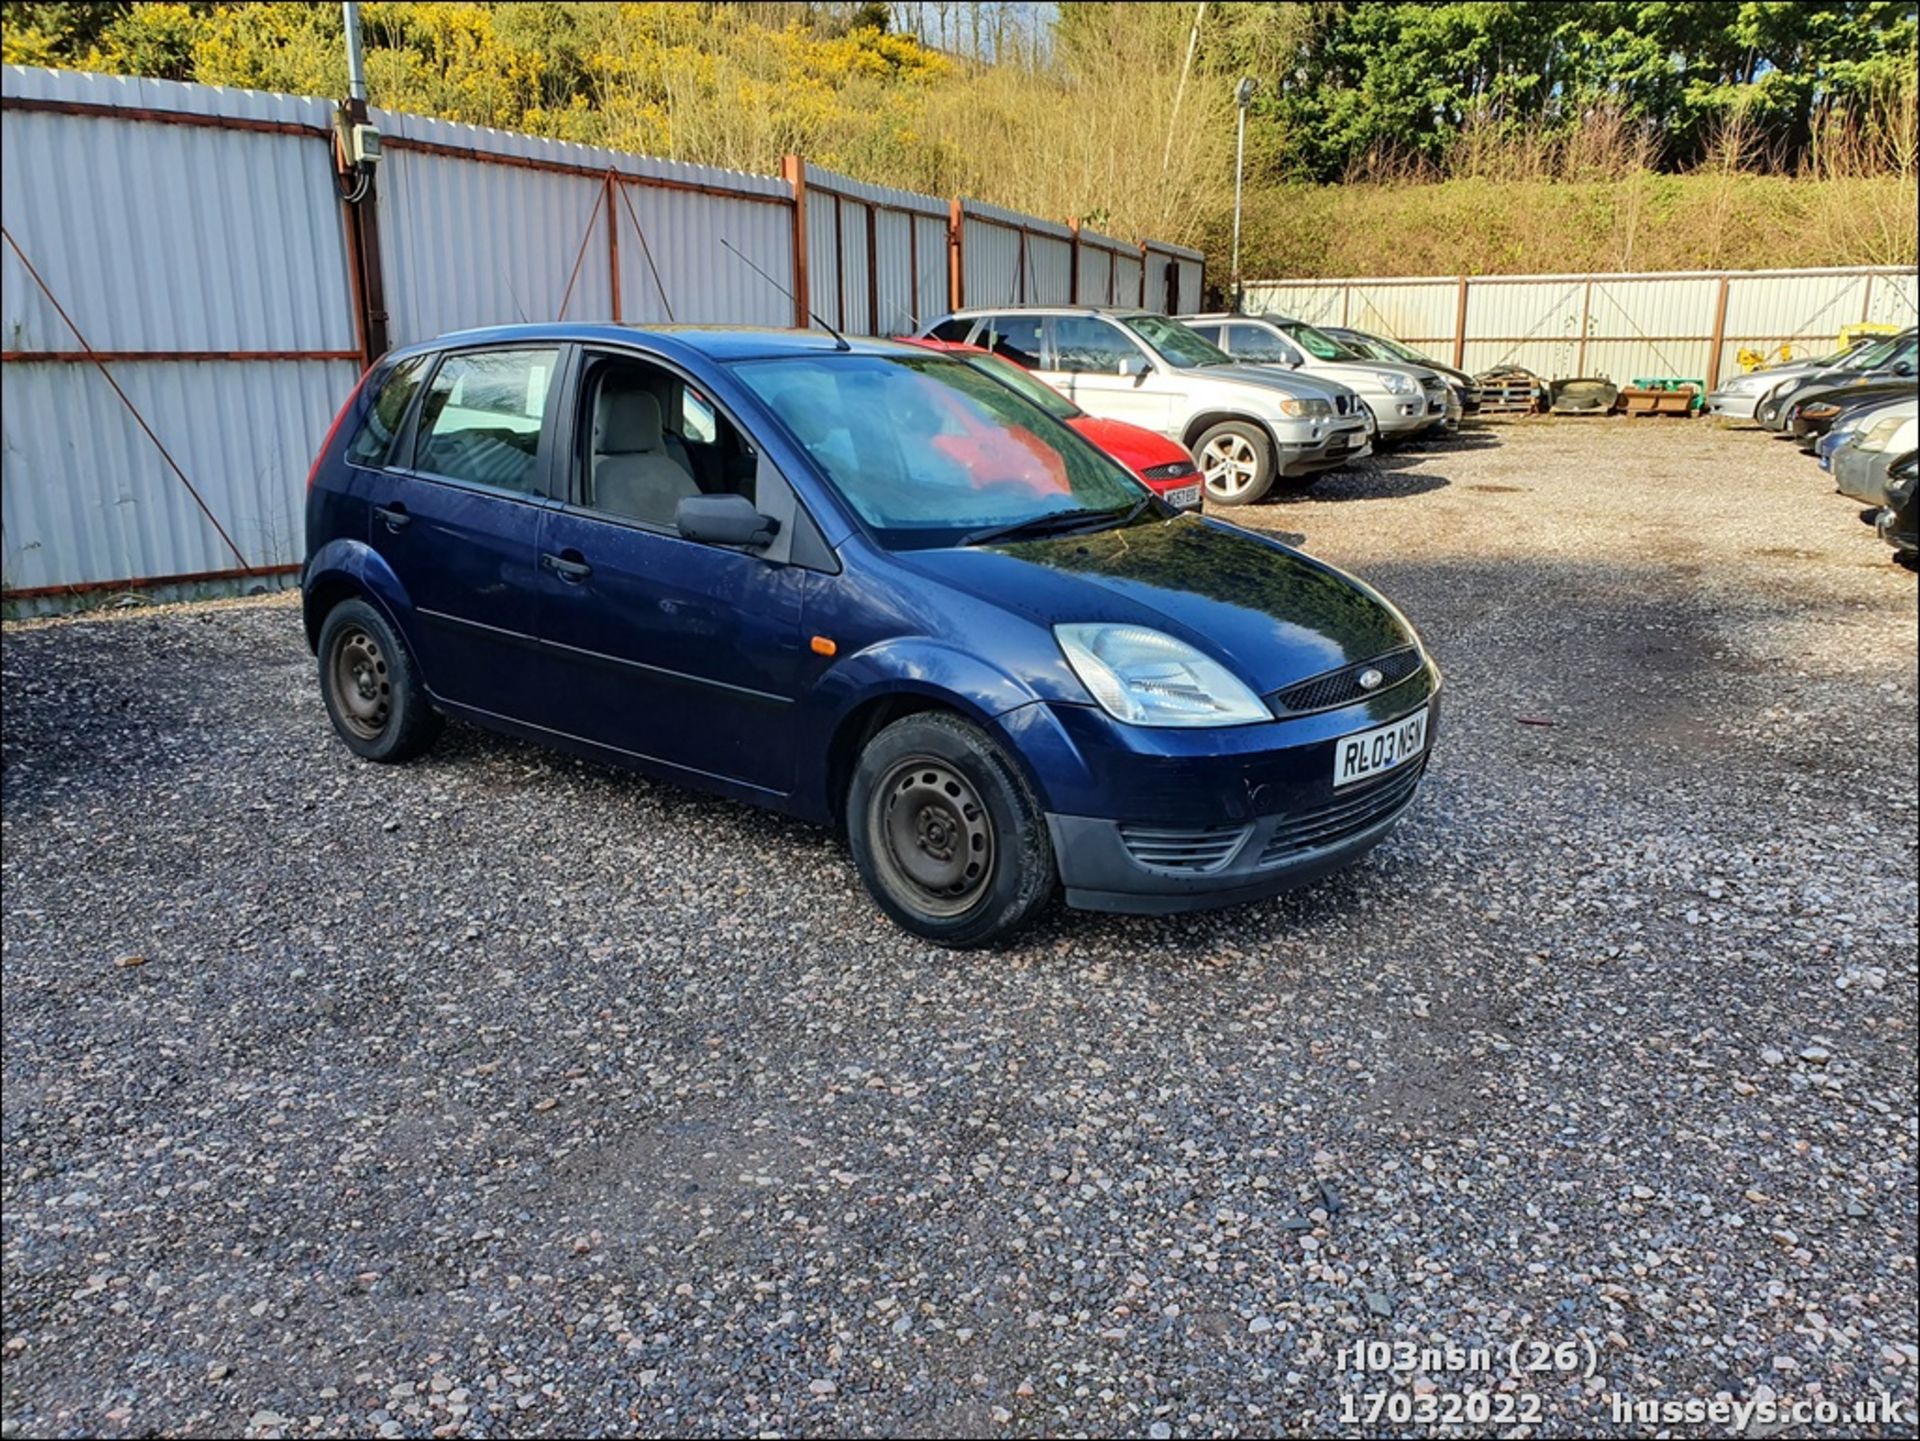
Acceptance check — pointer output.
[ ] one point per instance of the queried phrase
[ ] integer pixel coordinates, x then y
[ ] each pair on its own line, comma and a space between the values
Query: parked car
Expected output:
1812, 411
1738, 397
1385, 347
1887, 358
1162, 465
1897, 524
1406, 400
1860, 467
865, 585
1842, 430
1246, 427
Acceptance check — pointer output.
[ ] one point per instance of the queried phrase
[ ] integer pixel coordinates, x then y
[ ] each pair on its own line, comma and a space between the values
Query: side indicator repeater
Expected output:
822, 646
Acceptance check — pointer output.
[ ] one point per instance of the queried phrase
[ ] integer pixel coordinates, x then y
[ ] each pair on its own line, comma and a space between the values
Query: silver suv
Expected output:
1245, 426
1406, 399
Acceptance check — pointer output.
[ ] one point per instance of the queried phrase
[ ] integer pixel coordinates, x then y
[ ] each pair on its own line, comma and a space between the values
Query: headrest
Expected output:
626, 420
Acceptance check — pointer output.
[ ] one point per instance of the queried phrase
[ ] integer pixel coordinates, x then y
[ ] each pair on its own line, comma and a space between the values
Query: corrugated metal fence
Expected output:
1691, 324
187, 296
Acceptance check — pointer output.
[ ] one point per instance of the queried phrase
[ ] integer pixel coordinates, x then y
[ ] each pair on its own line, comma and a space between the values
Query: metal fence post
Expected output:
1719, 335
363, 255
1073, 293
794, 171
1586, 324
613, 250
956, 241
1460, 328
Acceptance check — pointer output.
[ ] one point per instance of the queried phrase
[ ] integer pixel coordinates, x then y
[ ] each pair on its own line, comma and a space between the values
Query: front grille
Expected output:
1344, 816
1168, 849
1342, 687
1341, 403
1172, 470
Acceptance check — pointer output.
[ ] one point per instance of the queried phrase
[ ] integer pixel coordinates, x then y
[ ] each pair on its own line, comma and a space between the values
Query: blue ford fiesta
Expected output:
867, 585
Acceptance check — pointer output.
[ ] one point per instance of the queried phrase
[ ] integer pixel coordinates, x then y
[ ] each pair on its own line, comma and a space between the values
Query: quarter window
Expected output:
482, 415
1085, 345
952, 331
383, 422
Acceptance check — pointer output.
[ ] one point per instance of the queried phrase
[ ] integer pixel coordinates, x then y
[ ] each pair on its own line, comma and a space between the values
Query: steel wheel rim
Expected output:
362, 688
1229, 464
933, 836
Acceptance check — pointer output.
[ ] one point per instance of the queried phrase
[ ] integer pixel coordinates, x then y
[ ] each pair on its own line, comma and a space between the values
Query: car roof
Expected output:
711, 342
968, 312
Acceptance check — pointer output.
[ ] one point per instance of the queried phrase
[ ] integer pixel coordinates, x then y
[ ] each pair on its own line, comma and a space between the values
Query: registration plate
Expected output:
1366, 754
1185, 497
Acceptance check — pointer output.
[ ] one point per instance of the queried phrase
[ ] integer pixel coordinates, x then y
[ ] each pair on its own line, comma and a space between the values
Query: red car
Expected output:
1162, 465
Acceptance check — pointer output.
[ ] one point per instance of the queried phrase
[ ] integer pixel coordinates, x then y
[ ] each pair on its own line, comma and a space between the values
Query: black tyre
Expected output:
373, 693
946, 833
1236, 462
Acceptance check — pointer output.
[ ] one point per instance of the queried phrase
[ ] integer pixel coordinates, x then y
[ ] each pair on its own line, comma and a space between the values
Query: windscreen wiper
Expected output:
1052, 523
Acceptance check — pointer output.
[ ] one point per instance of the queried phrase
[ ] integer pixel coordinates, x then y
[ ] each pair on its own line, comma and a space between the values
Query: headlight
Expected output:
1309, 406
1744, 384
1148, 679
1398, 384
1882, 432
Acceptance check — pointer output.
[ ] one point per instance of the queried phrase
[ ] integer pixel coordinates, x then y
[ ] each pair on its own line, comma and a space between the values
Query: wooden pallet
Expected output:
1509, 397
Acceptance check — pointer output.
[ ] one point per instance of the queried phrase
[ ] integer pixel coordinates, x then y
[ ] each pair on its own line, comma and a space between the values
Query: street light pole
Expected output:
1243, 96
356, 67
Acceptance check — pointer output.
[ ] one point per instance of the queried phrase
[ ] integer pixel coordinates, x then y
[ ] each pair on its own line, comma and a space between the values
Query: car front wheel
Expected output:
372, 692
946, 833
1236, 461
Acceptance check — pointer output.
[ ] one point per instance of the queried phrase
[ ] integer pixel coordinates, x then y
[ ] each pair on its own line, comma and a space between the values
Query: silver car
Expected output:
1247, 427
1739, 397
1406, 400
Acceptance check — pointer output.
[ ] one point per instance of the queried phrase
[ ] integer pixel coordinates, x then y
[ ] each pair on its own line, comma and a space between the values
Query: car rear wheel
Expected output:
372, 692
1236, 462
946, 834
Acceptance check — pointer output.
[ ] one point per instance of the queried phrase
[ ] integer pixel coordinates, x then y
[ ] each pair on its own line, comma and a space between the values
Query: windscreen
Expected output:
1317, 343
1038, 391
929, 451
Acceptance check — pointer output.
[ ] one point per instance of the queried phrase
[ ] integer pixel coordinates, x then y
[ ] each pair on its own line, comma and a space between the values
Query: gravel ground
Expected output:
503, 1094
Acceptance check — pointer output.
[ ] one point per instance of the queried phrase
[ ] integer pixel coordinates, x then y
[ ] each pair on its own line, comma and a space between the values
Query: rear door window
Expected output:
481, 419
1086, 344
1255, 342
1017, 337
374, 443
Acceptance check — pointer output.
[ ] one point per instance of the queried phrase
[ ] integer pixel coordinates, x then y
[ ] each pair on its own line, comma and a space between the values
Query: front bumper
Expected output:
1732, 405
1862, 475
1163, 821
1101, 868
1400, 416
1347, 441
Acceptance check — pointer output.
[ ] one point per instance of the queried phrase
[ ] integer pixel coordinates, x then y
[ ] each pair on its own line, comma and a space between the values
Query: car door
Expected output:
678, 652
1108, 372
457, 521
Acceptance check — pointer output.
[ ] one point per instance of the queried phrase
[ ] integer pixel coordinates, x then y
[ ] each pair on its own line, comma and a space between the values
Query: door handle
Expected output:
395, 516
571, 571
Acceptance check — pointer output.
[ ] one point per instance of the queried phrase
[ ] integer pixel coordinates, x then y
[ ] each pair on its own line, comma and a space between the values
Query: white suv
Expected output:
1245, 426
1406, 399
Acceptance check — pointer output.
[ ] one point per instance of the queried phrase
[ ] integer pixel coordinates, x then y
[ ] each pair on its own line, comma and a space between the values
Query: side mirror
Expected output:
1132, 365
724, 520
1905, 367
